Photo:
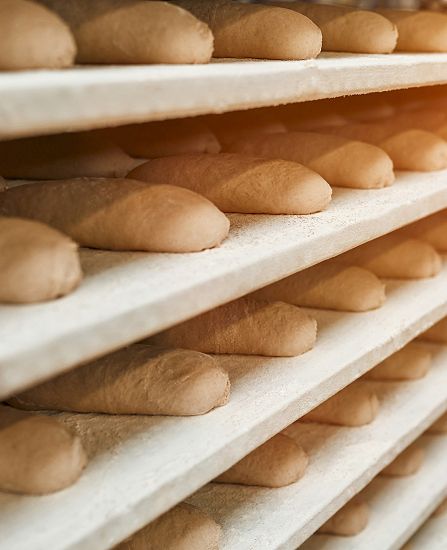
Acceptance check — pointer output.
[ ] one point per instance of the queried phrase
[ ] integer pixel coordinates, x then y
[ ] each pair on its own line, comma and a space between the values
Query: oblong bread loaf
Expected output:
139, 379
340, 161
419, 31
37, 263
432, 229
247, 327
63, 156
356, 405
165, 138
264, 32
439, 427
437, 333
349, 521
33, 37
236, 183
407, 463
184, 527
329, 286
134, 31
276, 463
38, 454
120, 214
395, 256
409, 363
346, 29
441, 509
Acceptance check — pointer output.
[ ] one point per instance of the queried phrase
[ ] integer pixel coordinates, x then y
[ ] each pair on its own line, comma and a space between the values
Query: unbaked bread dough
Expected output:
139, 379
407, 463
441, 509
432, 229
349, 521
439, 427
437, 333
276, 463
409, 363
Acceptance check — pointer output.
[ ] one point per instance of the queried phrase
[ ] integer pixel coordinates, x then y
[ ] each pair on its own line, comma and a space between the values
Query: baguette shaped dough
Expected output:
439, 427
37, 263
33, 37
184, 527
432, 229
135, 380
247, 327
237, 183
418, 31
134, 31
437, 333
276, 463
395, 256
329, 286
349, 521
356, 405
165, 138
409, 363
120, 214
441, 509
348, 30
63, 156
265, 32
407, 463
38, 455
341, 162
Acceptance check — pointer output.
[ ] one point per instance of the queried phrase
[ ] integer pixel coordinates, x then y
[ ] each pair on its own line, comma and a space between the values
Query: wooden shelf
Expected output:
127, 296
141, 466
89, 97
398, 506
432, 535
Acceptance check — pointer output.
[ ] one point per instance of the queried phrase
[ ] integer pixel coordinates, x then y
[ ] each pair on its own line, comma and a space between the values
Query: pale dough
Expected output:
407, 463
441, 509
432, 229
409, 363
439, 427
437, 333
349, 521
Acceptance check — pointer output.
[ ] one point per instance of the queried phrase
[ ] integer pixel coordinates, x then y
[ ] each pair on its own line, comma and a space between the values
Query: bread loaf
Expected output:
437, 333
247, 327
276, 463
37, 453
37, 263
328, 285
432, 229
236, 183
134, 31
407, 463
395, 256
409, 363
418, 31
356, 405
120, 214
63, 156
33, 37
135, 380
341, 162
346, 29
247, 30
184, 527
439, 427
349, 521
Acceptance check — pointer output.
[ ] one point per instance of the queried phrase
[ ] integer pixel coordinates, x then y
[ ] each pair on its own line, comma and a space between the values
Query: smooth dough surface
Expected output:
121, 214
247, 327
432, 229
440, 426
139, 379
276, 463
409, 363
407, 463
437, 333
441, 509
37, 263
349, 521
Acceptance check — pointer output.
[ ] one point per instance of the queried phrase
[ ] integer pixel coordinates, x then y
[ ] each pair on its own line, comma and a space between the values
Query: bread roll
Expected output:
395, 256
356, 405
419, 31
437, 333
134, 31
33, 37
120, 214
236, 183
37, 263
135, 380
340, 161
184, 527
441, 509
63, 156
276, 463
346, 29
409, 363
247, 30
329, 286
439, 427
37, 453
407, 463
165, 138
349, 521
247, 327
432, 229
